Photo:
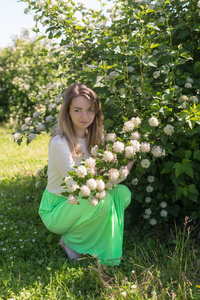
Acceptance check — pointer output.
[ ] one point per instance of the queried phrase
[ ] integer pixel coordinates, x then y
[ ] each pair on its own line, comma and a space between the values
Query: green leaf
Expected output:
193, 189
108, 124
49, 238
196, 154
154, 46
167, 167
178, 169
152, 25
187, 167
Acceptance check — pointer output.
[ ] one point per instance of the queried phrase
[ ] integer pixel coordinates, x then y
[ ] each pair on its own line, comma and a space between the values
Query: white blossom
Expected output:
72, 187
124, 294
169, 129
148, 211
80, 24
188, 85
36, 18
163, 204
90, 162
130, 69
149, 189
182, 99
129, 151
24, 127
49, 119
61, 17
157, 151
67, 179
135, 135
85, 191
28, 121
134, 181
35, 123
153, 222
52, 106
123, 172
93, 201
100, 185
94, 150
36, 115
163, 213
31, 136
136, 121
113, 74
153, 122
194, 99
190, 80
146, 216
41, 3
81, 171
72, 199
40, 127
118, 147
101, 195
150, 179
198, 4
92, 184
111, 137
147, 199
136, 145
108, 156
53, 3
145, 163
91, 171
113, 174
145, 147
128, 126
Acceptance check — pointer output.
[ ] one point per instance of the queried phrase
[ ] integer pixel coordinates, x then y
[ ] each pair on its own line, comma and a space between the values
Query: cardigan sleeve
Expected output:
62, 158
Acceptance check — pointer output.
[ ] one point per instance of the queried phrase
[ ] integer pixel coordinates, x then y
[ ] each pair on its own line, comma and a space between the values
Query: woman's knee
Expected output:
106, 205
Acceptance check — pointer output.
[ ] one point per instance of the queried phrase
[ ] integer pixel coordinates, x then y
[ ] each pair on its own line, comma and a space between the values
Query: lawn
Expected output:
161, 263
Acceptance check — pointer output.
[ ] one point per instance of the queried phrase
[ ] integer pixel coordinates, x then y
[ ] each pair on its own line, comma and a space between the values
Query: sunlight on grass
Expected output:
159, 264
15, 159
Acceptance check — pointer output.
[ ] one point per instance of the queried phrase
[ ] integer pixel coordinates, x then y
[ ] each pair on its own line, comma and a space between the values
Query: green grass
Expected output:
161, 263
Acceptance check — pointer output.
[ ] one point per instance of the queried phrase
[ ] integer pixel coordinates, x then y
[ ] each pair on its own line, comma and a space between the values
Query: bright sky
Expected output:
13, 19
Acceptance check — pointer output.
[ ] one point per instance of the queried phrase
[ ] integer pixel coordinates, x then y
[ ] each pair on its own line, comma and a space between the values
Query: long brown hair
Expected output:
65, 126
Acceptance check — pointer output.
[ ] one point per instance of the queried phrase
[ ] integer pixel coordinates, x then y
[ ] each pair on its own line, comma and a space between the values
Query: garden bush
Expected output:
24, 70
142, 59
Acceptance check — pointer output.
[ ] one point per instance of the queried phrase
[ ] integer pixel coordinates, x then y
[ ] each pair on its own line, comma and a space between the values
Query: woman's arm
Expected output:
130, 164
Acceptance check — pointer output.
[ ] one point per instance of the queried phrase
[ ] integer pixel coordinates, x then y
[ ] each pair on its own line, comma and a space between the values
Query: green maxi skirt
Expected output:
94, 230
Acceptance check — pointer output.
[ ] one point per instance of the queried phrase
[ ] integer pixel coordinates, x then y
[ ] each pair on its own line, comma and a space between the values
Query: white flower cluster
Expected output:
108, 164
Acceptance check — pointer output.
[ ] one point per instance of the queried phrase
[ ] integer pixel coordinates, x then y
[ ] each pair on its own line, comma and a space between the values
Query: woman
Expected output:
94, 230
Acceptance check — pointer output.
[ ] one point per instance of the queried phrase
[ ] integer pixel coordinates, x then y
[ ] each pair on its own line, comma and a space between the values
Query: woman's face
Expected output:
82, 115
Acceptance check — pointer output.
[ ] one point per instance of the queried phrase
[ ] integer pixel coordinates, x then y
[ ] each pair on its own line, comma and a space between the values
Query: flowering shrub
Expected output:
142, 59
44, 119
108, 165
23, 70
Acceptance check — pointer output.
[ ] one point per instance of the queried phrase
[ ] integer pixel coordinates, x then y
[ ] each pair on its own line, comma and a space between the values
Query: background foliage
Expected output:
142, 58
23, 71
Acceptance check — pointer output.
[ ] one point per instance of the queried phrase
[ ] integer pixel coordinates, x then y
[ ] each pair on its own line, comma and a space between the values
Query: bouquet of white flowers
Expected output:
108, 164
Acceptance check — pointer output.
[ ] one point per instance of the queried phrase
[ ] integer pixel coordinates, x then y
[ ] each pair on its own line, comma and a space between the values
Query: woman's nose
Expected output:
84, 115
